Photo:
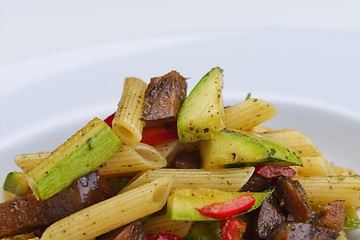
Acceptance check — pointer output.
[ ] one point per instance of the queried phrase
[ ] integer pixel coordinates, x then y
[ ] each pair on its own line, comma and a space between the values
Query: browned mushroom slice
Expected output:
293, 196
187, 160
331, 216
304, 231
270, 216
26, 214
164, 97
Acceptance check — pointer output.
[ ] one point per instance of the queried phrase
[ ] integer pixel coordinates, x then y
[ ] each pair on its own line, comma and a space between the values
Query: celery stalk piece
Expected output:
81, 153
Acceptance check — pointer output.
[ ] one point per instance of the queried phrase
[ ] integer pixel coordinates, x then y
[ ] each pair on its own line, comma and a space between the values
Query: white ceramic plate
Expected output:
312, 77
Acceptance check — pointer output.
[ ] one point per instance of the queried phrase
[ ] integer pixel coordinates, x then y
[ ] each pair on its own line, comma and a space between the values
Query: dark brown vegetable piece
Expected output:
187, 160
293, 196
132, 231
331, 216
270, 216
27, 214
164, 97
303, 231
257, 183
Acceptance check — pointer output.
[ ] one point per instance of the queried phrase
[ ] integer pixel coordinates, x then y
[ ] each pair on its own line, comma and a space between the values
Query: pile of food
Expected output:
172, 165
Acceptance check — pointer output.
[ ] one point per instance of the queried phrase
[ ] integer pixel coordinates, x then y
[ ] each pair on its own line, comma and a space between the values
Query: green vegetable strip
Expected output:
80, 154
183, 202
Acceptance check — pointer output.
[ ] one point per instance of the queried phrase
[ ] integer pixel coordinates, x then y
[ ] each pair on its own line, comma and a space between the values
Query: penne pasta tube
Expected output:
27, 161
131, 160
112, 213
317, 166
295, 141
342, 236
230, 179
126, 123
343, 171
248, 114
126, 160
260, 129
168, 150
322, 190
161, 223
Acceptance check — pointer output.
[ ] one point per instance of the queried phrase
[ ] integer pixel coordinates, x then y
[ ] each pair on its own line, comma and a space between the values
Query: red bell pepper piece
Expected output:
229, 208
232, 229
160, 134
154, 135
271, 171
109, 120
161, 236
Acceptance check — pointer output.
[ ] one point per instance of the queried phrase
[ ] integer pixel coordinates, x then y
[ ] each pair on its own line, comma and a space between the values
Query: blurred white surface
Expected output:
32, 28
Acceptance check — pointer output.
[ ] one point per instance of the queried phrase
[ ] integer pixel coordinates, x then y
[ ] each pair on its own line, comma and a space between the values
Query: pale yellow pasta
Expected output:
126, 160
317, 166
342, 236
126, 123
322, 190
249, 113
231, 179
112, 213
295, 141
161, 223
260, 129
168, 150
132, 160
29, 160
343, 171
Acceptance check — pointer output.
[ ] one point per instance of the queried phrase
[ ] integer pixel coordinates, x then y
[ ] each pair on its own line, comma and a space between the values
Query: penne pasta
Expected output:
112, 213
248, 114
230, 179
322, 190
132, 160
317, 166
342, 236
295, 141
27, 161
161, 223
126, 160
260, 129
126, 123
168, 150
343, 171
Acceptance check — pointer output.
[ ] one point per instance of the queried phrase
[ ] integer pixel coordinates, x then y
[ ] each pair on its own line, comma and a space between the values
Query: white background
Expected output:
32, 28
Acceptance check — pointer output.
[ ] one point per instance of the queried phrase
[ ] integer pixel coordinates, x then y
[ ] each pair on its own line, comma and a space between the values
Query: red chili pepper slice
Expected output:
161, 236
271, 171
109, 120
232, 229
160, 134
229, 208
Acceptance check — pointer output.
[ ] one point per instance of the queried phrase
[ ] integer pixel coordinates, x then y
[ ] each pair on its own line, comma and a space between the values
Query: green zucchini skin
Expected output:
16, 183
82, 153
202, 113
182, 202
230, 148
